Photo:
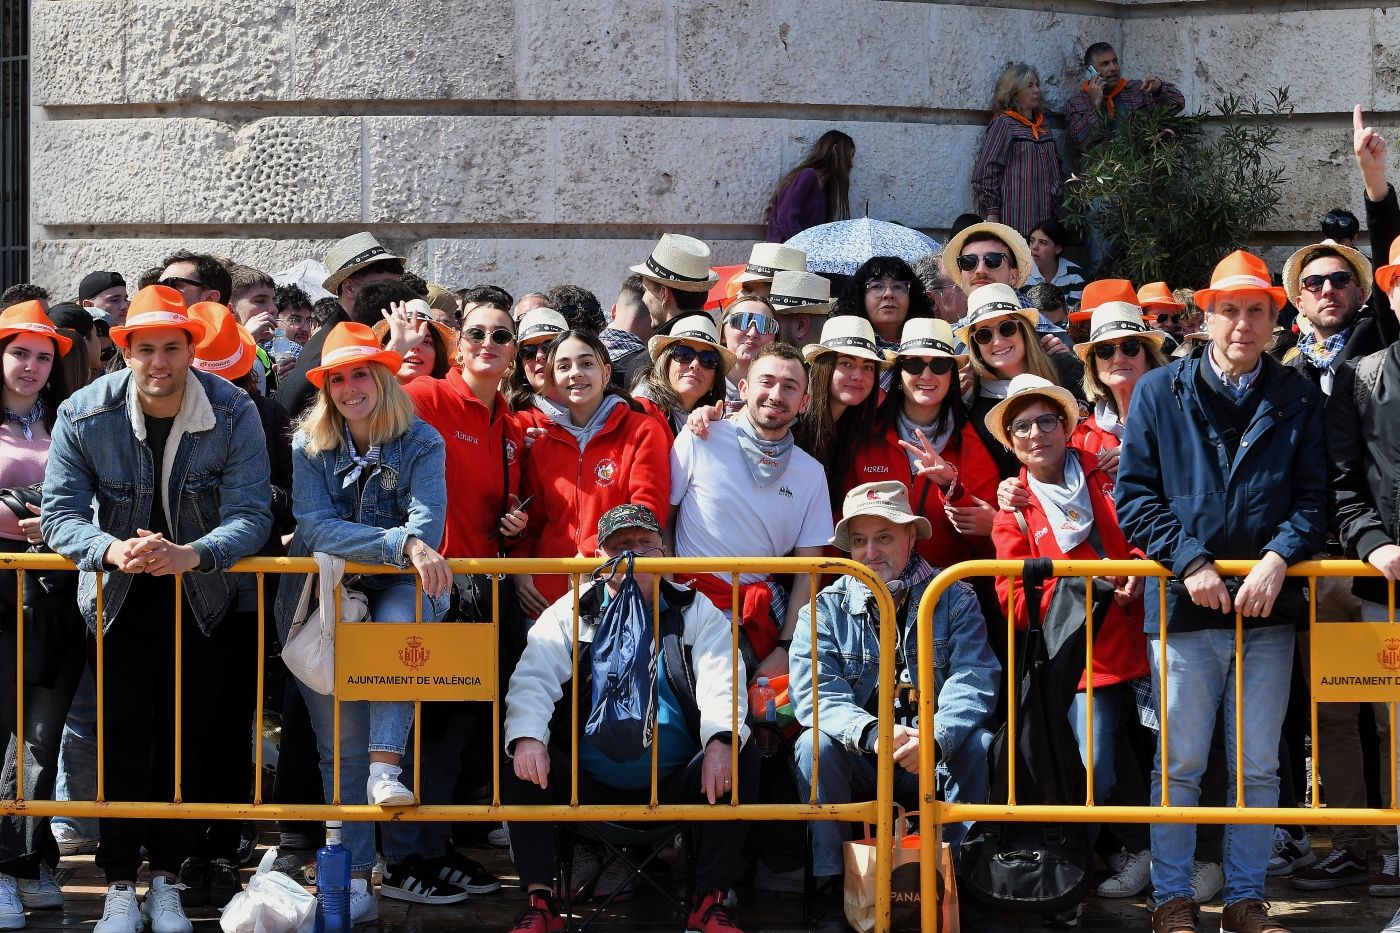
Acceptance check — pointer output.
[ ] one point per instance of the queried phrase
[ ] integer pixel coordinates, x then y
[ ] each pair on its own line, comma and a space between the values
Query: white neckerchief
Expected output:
1107, 417
994, 388
1068, 508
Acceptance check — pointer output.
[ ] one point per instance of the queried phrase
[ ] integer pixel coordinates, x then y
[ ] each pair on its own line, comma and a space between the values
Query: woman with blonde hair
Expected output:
1017, 175
688, 371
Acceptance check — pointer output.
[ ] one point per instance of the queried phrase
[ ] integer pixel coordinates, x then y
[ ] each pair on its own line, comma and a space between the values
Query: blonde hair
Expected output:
1011, 83
324, 425
1036, 360
1094, 389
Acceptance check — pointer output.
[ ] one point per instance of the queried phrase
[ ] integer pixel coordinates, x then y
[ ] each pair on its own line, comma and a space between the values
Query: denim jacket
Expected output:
216, 498
966, 679
404, 495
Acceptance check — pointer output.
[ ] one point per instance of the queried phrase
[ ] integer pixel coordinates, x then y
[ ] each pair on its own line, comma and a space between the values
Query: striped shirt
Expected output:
1090, 125
1017, 176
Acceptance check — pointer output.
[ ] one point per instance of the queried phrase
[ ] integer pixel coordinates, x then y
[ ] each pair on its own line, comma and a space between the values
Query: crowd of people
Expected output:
923, 411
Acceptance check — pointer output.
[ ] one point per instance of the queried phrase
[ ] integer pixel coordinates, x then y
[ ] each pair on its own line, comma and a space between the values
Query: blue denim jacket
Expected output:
966, 679
217, 498
405, 495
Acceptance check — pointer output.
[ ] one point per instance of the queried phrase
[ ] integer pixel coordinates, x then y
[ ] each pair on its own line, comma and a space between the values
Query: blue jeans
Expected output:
846, 775
366, 726
1111, 704
77, 756
1200, 676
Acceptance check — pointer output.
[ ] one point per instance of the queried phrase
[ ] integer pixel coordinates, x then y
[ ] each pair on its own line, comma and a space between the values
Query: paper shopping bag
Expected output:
905, 899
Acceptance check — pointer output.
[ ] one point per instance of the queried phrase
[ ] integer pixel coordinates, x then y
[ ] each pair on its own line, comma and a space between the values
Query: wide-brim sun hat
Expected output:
1013, 240
1029, 385
989, 302
351, 344
540, 324
800, 293
227, 349
847, 335
696, 330
1360, 267
28, 317
157, 307
1115, 320
926, 336
350, 255
1158, 295
888, 499
1241, 272
767, 260
680, 262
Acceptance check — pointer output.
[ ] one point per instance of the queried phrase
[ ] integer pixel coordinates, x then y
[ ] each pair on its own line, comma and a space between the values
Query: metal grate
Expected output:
14, 141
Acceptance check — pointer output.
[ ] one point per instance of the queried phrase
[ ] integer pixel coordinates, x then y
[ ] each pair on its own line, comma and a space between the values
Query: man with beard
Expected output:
747, 491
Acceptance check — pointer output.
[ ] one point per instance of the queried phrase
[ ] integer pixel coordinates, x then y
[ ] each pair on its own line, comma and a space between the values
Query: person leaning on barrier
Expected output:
879, 530
1223, 459
693, 727
174, 462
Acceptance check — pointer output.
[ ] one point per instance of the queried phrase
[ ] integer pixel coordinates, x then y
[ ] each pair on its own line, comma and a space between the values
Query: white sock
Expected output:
384, 769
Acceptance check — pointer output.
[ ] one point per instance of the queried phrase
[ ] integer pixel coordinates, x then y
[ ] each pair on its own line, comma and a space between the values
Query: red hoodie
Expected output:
478, 445
628, 460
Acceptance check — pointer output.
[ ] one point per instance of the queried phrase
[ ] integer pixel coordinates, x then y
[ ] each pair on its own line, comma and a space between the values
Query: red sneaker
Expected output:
539, 916
711, 916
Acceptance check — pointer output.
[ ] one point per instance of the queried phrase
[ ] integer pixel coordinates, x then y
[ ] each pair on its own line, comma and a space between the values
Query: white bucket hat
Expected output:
680, 262
1360, 267
800, 293
925, 336
848, 335
888, 500
1028, 384
768, 259
540, 324
989, 302
352, 254
1114, 320
698, 331
1013, 240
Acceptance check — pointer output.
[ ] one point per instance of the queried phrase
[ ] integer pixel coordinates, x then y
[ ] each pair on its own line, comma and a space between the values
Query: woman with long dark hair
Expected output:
816, 191
886, 292
844, 379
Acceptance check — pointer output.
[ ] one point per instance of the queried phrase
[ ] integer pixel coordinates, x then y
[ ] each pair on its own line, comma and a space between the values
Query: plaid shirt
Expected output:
1090, 125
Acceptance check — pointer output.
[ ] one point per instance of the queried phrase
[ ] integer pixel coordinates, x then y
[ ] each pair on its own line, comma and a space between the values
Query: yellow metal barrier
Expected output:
1091, 812
878, 812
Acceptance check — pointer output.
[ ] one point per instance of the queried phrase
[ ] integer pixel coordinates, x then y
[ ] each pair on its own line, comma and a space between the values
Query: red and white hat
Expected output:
157, 307
28, 317
351, 344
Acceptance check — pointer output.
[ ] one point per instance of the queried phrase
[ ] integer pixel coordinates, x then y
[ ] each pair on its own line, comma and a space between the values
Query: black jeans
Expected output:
720, 843
226, 741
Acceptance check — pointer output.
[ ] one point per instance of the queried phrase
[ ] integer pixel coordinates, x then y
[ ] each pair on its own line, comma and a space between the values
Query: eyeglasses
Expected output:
500, 336
1130, 347
968, 261
743, 320
297, 320
1021, 427
984, 335
915, 365
876, 286
1339, 279
1169, 318
178, 282
709, 359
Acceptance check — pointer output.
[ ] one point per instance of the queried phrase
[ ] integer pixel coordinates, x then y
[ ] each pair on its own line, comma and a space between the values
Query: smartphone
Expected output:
1090, 73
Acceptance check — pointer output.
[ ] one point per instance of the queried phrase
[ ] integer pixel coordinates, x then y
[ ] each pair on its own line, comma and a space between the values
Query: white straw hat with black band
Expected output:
989, 302
350, 255
698, 331
847, 335
925, 336
541, 323
1013, 241
1115, 320
1030, 385
1360, 267
768, 259
680, 262
800, 293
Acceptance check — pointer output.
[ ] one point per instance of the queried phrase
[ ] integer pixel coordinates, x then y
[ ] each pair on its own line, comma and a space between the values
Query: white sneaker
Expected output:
70, 841
163, 909
120, 912
1394, 925
1132, 877
11, 910
386, 790
1291, 853
43, 894
1207, 878
364, 906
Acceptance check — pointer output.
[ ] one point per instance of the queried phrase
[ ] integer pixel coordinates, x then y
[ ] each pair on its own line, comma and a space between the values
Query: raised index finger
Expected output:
1358, 123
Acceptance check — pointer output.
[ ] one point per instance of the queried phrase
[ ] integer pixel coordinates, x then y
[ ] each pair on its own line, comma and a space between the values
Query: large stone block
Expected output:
1385, 60
59, 265
97, 171
77, 52
1163, 47
427, 49
594, 50
206, 50
1322, 174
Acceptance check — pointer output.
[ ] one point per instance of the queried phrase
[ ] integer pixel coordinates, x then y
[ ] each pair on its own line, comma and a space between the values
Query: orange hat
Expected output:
28, 317
1157, 295
1102, 291
1241, 272
351, 344
1385, 275
157, 307
227, 349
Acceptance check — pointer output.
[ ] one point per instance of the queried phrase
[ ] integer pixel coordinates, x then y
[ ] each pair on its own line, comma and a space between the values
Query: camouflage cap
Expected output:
626, 516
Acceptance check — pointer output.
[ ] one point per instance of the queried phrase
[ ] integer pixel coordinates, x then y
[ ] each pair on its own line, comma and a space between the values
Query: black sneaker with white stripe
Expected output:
468, 874
413, 880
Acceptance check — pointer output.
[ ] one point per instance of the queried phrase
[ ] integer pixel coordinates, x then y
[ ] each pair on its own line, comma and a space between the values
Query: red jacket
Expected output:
1120, 648
478, 445
883, 459
657, 413
1091, 438
628, 460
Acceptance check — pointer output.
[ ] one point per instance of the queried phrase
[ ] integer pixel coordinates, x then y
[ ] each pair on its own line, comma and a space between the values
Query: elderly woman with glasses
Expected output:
749, 324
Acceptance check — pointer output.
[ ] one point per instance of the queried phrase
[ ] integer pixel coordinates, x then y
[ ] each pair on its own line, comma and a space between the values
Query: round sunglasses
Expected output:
709, 359
500, 336
915, 365
984, 335
1130, 347
1021, 427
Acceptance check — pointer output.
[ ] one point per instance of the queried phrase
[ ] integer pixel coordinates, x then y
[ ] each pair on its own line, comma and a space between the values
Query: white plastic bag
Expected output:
272, 903
309, 650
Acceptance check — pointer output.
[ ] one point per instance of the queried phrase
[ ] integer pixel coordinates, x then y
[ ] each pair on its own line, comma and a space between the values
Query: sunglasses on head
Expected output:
500, 336
985, 335
709, 359
968, 261
1339, 279
1130, 347
1169, 318
1047, 423
915, 365
743, 320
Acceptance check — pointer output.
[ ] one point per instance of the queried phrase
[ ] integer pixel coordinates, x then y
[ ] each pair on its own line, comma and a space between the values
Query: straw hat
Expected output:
1114, 320
1013, 240
1360, 267
1024, 386
352, 254
680, 262
847, 335
1157, 295
441, 299
925, 336
28, 317
447, 335
696, 330
767, 260
1241, 272
888, 500
540, 324
800, 293
157, 307
227, 349
989, 302
1385, 275
351, 344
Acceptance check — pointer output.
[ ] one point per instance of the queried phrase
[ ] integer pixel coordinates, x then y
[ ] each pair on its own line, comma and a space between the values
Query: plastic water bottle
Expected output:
282, 348
333, 883
763, 708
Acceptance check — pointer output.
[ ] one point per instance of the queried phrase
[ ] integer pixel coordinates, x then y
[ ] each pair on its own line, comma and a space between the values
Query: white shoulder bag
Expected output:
309, 649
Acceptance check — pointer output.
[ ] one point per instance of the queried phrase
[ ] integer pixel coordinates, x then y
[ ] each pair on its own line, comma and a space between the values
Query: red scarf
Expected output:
1036, 127
1109, 95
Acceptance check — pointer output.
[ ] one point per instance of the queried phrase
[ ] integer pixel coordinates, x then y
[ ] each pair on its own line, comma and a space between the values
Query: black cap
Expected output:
95, 283
620, 517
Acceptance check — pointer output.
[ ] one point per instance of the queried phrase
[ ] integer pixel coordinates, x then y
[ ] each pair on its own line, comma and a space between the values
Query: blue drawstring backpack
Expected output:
624, 671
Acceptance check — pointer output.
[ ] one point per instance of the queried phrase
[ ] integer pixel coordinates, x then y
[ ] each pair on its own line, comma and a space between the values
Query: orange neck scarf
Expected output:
1036, 128
1108, 95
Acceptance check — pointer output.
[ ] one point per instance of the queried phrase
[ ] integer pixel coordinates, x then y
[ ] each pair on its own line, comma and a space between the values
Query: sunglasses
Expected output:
532, 350
1130, 347
709, 359
1339, 279
179, 281
915, 365
500, 336
1169, 318
1021, 427
743, 320
968, 261
984, 335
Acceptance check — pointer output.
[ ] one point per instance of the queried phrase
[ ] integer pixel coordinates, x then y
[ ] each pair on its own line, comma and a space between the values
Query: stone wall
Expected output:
529, 142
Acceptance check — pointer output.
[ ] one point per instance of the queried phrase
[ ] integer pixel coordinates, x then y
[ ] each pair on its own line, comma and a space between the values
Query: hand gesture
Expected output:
1370, 147
406, 331
931, 463
700, 418
1012, 495
1151, 84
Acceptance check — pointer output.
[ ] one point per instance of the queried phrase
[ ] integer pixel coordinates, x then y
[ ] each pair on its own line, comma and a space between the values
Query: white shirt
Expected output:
724, 513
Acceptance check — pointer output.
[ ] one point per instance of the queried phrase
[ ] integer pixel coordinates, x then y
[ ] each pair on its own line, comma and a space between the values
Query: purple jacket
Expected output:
801, 204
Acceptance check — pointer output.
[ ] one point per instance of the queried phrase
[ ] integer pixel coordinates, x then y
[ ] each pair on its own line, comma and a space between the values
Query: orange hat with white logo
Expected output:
28, 317
1241, 272
1157, 295
157, 307
227, 349
351, 344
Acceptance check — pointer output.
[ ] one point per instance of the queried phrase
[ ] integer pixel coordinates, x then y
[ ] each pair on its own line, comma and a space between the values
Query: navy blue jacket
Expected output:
1179, 497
